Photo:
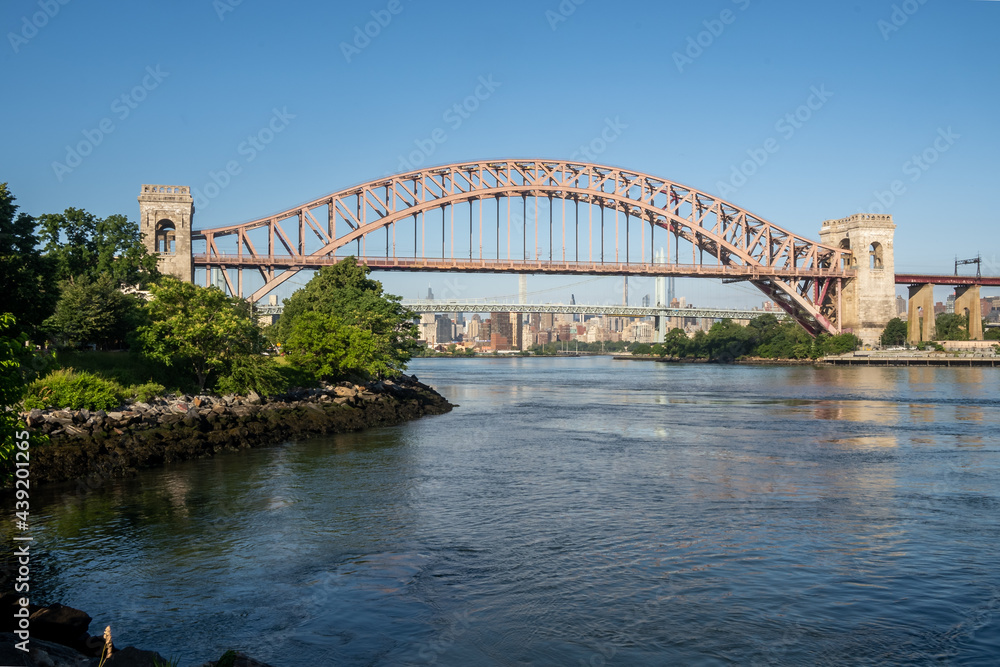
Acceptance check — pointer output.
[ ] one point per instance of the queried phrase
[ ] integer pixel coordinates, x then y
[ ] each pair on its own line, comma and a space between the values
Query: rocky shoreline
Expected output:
87, 444
94, 446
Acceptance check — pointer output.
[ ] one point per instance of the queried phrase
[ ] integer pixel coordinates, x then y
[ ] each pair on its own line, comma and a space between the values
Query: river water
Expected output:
579, 511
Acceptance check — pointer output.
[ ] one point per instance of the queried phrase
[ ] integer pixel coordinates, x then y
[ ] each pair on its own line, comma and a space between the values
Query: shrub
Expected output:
252, 372
148, 391
65, 388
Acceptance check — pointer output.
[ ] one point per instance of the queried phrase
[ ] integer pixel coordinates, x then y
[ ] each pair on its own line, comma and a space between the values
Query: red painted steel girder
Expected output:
932, 279
776, 261
294, 262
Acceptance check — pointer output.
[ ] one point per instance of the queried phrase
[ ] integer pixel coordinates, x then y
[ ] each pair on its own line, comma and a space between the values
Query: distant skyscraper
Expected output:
430, 293
443, 332
509, 326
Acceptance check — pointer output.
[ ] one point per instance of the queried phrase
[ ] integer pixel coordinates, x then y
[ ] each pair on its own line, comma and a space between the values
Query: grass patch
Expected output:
128, 369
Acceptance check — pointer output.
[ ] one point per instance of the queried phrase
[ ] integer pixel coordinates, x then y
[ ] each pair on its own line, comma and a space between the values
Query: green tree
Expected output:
80, 244
29, 285
949, 326
94, 311
894, 333
727, 341
13, 355
122, 255
764, 327
787, 341
676, 343
69, 242
642, 348
199, 328
251, 372
838, 344
321, 344
349, 298
991, 333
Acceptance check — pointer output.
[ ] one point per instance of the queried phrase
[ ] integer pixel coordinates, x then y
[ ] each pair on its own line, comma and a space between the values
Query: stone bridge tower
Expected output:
869, 299
166, 213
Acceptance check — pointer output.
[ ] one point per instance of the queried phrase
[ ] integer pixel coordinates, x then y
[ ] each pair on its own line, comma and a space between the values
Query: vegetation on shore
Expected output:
947, 327
764, 337
77, 331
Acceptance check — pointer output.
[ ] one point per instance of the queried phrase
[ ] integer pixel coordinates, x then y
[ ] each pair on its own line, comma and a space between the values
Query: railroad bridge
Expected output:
540, 217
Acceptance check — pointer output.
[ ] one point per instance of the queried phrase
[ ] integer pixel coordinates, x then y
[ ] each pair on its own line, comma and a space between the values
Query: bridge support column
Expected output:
967, 303
920, 315
868, 300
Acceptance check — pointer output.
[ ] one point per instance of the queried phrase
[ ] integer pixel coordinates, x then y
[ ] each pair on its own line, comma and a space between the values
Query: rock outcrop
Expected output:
107, 444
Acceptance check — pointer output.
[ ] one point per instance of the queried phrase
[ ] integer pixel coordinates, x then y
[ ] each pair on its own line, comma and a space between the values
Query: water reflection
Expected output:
884, 413
571, 511
921, 413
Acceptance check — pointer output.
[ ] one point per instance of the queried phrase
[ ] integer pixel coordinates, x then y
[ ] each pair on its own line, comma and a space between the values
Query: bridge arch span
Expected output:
660, 228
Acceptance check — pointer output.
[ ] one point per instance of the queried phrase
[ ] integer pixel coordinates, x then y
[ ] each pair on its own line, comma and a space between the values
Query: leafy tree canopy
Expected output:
949, 326
28, 278
94, 311
324, 346
199, 328
347, 298
82, 245
894, 332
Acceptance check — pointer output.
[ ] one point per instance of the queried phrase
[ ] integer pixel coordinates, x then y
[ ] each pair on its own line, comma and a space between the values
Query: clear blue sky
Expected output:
894, 87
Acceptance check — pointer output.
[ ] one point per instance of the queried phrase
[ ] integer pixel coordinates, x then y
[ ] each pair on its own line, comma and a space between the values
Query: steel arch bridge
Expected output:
386, 224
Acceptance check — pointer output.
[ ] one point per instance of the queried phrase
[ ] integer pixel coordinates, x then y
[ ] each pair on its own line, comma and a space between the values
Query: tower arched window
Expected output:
845, 244
166, 242
875, 256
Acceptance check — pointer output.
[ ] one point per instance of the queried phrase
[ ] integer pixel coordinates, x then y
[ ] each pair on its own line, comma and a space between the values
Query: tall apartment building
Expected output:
444, 329
509, 326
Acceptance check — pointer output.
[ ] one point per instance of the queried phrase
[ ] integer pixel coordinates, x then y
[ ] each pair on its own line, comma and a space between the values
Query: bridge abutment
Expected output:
869, 298
166, 213
920, 314
967, 303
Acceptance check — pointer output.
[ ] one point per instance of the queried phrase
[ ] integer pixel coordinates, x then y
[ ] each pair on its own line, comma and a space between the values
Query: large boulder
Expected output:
62, 625
236, 659
40, 654
130, 656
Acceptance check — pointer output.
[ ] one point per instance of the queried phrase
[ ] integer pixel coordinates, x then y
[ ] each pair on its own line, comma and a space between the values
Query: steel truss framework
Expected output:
566, 309
720, 239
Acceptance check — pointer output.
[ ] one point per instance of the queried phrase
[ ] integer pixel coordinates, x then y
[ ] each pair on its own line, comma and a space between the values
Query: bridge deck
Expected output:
294, 262
925, 278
